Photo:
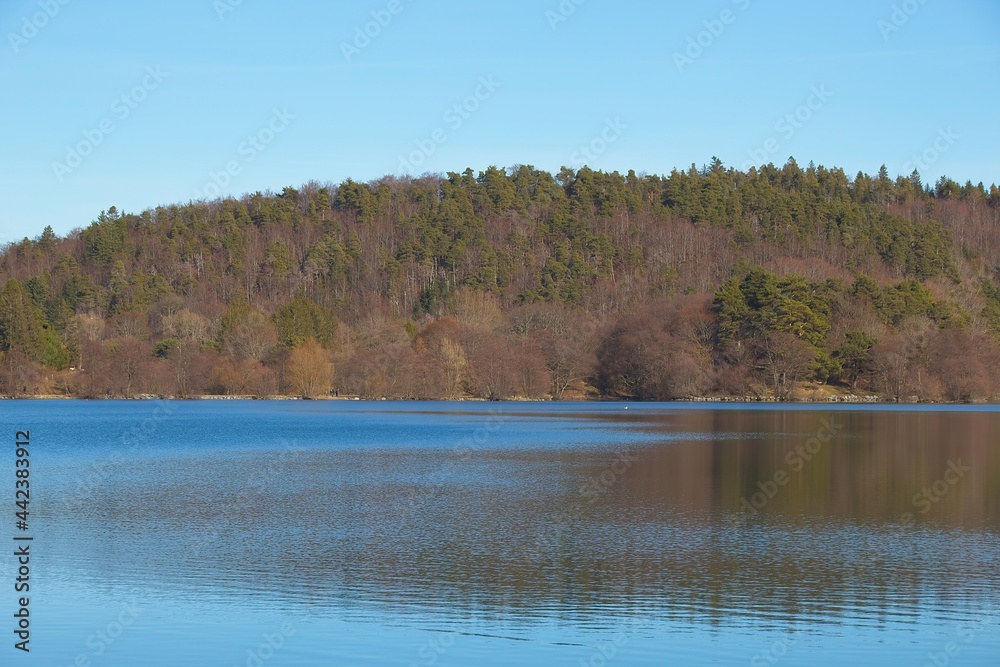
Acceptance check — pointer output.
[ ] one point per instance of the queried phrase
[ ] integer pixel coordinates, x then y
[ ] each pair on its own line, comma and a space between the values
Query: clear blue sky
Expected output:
201, 76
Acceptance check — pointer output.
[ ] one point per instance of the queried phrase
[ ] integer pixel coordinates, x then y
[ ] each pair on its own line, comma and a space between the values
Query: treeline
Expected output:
779, 282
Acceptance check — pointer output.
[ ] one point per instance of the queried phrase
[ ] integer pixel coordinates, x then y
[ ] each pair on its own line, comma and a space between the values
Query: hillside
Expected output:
522, 283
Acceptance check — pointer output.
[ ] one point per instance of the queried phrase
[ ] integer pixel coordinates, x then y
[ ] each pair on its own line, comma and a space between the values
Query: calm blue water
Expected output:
352, 533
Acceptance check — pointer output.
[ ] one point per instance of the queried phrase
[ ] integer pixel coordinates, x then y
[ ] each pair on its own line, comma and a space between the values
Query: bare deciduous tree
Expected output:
785, 359
187, 325
309, 370
251, 338
455, 365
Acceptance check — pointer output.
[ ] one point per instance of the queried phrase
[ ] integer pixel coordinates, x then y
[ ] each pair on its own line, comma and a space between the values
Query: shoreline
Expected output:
731, 400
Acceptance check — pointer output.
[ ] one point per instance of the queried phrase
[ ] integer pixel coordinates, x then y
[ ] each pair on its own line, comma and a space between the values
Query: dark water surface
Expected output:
351, 533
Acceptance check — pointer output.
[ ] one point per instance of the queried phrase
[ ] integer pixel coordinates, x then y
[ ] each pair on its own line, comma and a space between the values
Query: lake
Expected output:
257, 533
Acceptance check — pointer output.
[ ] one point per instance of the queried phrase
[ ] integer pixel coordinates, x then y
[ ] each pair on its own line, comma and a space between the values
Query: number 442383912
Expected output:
22, 492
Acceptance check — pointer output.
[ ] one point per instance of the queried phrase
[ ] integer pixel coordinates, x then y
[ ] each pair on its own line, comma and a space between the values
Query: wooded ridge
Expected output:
781, 282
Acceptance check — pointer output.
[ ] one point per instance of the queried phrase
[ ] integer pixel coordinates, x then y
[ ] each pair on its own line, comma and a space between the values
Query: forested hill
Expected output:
784, 282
